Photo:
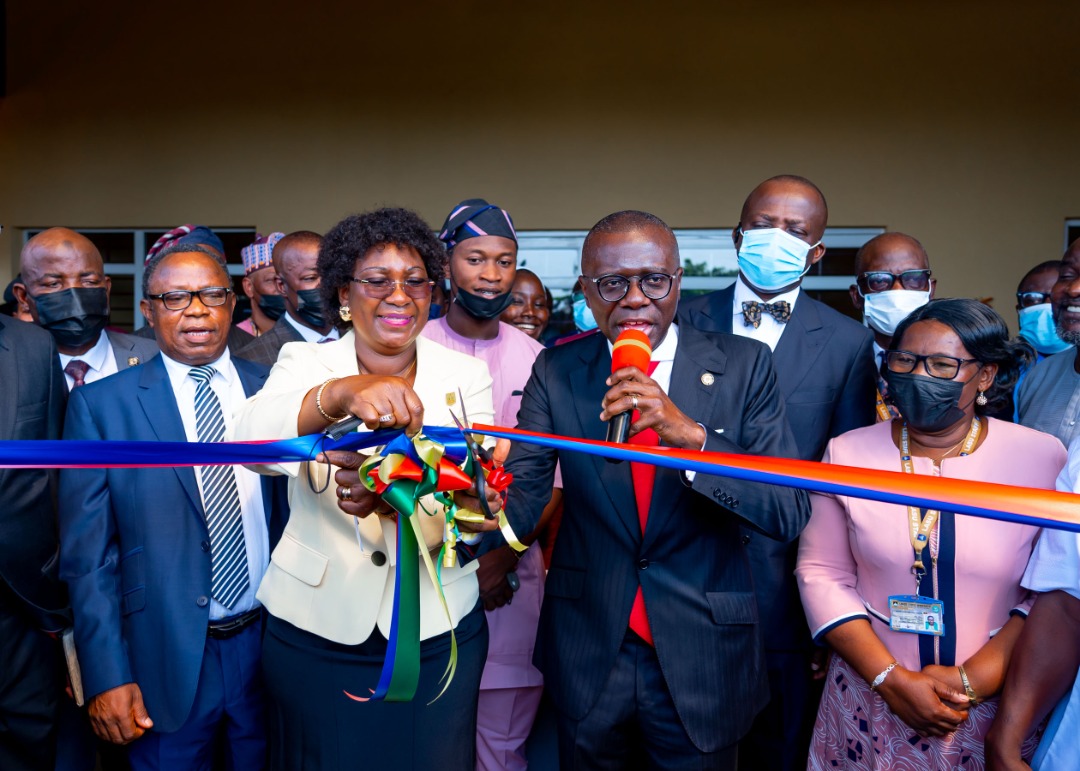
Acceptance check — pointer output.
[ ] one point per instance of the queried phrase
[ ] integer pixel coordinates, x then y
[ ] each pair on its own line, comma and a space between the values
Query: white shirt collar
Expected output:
745, 293
178, 373
310, 335
95, 357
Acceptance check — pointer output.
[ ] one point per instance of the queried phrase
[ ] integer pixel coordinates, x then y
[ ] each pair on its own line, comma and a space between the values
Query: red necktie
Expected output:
77, 369
643, 475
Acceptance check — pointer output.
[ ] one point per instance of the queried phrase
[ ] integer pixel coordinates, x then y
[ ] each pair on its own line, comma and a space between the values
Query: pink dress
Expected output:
855, 553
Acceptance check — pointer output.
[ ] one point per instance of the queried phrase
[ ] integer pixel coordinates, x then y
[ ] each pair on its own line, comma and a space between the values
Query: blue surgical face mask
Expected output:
772, 259
1037, 327
583, 317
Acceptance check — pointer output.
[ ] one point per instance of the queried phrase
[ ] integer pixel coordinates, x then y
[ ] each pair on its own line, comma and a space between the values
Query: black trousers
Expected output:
633, 724
31, 685
315, 726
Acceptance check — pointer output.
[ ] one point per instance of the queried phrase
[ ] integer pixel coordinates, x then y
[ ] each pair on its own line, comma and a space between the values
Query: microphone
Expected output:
631, 349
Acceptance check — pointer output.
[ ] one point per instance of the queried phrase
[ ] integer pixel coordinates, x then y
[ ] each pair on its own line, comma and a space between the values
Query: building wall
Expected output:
955, 122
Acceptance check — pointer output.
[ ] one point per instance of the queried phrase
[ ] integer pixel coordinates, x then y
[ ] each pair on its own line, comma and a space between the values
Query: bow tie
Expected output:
752, 310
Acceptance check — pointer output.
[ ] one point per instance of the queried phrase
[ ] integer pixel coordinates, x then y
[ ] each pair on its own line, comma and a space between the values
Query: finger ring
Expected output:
387, 418
633, 400
345, 493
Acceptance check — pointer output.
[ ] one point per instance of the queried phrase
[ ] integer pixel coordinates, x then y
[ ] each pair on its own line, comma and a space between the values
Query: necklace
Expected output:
947, 453
403, 373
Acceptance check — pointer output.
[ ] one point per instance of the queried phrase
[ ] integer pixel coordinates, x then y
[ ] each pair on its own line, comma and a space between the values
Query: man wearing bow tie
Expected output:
825, 368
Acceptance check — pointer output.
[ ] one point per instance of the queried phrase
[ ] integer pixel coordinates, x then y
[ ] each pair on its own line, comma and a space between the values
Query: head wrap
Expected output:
258, 254
187, 234
476, 217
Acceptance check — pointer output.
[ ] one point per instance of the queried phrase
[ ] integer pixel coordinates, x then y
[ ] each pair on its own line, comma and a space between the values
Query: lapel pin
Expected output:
707, 378
133, 361
451, 399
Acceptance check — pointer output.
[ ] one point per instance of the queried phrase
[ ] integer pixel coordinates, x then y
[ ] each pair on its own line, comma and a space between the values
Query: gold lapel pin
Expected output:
451, 399
133, 361
707, 378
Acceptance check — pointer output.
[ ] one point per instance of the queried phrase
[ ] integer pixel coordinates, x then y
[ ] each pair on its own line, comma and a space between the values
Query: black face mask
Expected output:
311, 308
74, 316
481, 307
928, 404
272, 305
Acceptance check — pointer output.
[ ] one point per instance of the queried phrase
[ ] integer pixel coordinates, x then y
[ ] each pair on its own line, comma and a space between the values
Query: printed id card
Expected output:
916, 614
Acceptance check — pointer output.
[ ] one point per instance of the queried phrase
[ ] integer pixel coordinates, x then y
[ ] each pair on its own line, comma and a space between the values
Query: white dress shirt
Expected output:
230, 392
770, 330
100, 359
312, 335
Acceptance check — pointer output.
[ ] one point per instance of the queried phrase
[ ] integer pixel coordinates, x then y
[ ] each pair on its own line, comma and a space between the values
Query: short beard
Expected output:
1072, 338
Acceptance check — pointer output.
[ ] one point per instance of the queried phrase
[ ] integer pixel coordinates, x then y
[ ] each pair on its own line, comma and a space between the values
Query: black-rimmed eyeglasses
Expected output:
1028, 299
937, 365
613, 287
883, 280
381, 288
179, 299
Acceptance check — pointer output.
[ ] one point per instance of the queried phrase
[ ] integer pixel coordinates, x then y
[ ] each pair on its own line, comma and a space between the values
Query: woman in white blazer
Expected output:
330, 585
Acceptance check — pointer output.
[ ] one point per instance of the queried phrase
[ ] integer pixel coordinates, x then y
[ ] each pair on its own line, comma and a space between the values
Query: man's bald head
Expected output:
299, 244
894, 252
630, 221
57, 245
788, 184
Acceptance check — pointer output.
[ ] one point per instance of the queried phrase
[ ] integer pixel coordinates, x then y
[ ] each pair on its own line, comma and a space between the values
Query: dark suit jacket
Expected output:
135, 547
264, 348
825, 368
690, 562
131, 350
32, 397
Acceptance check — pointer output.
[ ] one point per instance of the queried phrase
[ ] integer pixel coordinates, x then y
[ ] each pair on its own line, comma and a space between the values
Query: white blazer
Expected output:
321, 576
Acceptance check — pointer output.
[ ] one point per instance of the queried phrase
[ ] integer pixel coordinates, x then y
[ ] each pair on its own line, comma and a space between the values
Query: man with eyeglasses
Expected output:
163, 563
482, 262
824, 365
1049, 397
304, 320
649, 639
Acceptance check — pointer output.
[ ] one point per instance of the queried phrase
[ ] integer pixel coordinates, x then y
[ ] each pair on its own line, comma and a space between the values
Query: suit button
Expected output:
745, 540
643, 564
378, 559
734, 504
205, 546
717, 494
202, 601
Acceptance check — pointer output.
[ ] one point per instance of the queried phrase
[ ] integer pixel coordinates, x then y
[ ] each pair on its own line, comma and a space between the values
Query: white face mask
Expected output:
883, 311
772, 259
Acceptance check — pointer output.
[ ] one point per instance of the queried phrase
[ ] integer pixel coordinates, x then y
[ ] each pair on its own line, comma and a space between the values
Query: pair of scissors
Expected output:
481, 457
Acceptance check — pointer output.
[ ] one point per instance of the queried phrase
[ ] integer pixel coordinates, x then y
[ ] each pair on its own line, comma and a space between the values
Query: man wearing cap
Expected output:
260, 285
482, 246
196, 235
304, 320
66, 289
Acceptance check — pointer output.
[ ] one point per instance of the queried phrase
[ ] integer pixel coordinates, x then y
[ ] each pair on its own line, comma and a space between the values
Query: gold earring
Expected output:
345, 313
981, 399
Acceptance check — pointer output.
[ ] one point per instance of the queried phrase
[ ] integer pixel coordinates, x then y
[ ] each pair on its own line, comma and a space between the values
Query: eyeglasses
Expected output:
381, 288
883, 280
179, 299
937, 365
613, 287
1028, 299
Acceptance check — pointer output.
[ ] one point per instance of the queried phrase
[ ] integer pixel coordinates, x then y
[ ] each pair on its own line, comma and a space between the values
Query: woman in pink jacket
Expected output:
921, 607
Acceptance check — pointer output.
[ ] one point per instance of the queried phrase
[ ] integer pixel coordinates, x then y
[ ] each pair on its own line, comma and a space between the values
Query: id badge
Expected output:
917, 615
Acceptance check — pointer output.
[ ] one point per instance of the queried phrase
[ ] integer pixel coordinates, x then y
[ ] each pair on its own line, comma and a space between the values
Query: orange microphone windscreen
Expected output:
631, 349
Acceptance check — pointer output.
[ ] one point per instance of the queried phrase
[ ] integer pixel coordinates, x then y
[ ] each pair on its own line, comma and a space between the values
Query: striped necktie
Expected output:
221, 501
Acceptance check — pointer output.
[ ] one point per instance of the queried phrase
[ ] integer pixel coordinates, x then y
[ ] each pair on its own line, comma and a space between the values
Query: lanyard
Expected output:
882, 409
920, 527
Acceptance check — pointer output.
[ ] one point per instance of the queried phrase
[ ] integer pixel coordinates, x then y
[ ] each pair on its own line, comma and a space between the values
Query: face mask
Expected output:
583, 315
273, 305
883, 311
928, 404
1037, 327
481, 307
75, 317
772, 259
311, 307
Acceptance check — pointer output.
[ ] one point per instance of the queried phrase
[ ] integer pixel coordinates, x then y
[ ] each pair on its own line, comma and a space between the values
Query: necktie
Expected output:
77, 369
221, 501
643, 476
752, 310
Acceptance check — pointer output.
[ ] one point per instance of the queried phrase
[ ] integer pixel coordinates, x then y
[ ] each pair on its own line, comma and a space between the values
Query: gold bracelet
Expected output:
318, 401
972, 696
